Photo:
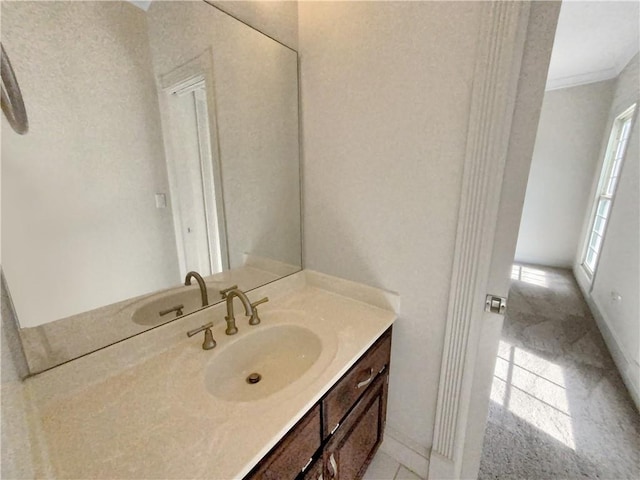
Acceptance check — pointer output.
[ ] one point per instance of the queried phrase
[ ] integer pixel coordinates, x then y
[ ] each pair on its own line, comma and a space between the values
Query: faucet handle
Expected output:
209, 341
177, 309
227, 290
191, 333
260, 302
255, 319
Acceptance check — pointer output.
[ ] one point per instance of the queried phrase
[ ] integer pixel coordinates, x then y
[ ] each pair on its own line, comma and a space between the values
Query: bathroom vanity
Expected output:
338, 437
159, 406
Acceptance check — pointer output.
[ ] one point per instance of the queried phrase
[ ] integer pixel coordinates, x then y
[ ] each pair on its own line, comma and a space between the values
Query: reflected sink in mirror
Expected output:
189, 297
279, 354
185, 106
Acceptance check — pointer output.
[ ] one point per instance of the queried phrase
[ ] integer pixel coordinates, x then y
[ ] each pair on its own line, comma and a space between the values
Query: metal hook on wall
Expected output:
12, 103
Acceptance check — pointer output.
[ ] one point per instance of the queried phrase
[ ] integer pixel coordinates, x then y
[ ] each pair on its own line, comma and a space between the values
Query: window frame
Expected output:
608, 180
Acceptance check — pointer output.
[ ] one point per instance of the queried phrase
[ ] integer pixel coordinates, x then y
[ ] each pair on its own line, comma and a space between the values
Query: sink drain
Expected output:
254, 378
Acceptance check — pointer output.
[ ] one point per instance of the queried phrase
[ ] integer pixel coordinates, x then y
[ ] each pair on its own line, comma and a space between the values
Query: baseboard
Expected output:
627, 369
546, 262
405, 452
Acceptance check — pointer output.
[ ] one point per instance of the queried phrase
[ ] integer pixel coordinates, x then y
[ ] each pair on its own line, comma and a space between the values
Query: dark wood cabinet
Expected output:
315, 471
293, 452
338, 437
343, 396
351, 448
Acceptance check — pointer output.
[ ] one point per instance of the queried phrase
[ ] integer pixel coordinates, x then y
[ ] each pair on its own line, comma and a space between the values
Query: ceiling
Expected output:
594, 41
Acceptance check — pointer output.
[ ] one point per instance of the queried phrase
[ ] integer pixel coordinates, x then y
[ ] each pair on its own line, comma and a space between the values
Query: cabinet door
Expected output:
289, 457
353, 445
315, 472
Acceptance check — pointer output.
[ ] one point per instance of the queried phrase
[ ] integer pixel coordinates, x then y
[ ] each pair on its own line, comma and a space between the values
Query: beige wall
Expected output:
618, 271
386, 93
566, 152
80, 226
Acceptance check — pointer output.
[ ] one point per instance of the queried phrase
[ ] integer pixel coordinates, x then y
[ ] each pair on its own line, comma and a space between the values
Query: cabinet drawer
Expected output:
315, 471
351, 448
355, 382
290, 456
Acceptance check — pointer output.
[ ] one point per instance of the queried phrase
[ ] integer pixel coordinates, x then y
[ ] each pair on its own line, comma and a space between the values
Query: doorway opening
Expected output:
564, 398
193, 179
194, 170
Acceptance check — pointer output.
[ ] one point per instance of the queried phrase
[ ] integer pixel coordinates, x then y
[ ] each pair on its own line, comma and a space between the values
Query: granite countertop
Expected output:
147, 413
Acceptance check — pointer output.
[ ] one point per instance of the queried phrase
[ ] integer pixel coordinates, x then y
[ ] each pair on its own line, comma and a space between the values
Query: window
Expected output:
607, 184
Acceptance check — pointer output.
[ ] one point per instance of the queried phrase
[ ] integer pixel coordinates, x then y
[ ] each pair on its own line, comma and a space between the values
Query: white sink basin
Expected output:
148, 313
280, 354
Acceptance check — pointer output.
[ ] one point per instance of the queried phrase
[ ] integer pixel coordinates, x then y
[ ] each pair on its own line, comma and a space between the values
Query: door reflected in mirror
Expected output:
162, 140
195, 178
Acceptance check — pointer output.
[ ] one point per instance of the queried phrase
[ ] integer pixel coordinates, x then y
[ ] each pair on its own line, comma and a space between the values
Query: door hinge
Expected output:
495, 304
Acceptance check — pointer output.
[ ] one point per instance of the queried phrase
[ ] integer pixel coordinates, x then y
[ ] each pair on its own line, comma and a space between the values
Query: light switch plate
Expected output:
161, 200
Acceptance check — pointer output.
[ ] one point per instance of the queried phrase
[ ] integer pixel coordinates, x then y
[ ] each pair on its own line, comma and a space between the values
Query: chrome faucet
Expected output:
203, 287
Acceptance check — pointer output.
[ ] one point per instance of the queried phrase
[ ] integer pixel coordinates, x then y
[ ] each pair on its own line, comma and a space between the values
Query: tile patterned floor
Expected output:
558, 406
383, 467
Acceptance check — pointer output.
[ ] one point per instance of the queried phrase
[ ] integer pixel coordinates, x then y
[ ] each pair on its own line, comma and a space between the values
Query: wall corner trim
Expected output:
497, 71
405, 452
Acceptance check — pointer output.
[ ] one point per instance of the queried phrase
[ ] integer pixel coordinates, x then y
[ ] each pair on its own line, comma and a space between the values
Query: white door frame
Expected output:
510, 73
197, 70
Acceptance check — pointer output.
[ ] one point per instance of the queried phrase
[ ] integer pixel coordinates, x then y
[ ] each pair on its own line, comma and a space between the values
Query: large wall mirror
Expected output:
163, 139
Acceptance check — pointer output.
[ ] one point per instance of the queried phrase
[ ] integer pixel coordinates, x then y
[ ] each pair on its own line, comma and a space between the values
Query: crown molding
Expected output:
581, 79
593, 77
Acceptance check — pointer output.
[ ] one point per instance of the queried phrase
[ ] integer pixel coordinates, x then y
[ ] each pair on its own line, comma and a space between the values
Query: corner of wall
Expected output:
581, 278
406, 452
276, 19
14, 363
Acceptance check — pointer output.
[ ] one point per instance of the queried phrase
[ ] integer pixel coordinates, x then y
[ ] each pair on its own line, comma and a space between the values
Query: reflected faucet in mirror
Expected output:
196, 131
201, 284
178, 309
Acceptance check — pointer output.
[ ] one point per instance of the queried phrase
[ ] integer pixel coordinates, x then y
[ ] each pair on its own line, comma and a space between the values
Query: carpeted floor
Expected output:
559, 408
